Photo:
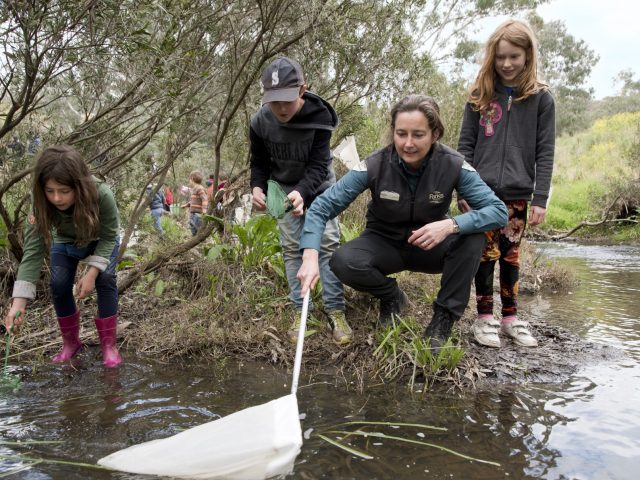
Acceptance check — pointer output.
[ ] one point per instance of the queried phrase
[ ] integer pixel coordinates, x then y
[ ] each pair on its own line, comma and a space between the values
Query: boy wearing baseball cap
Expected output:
290, 137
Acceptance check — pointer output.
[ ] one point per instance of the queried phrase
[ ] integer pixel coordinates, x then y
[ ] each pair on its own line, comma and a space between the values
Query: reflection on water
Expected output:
602, 438
605, 307
584, 428
606, 419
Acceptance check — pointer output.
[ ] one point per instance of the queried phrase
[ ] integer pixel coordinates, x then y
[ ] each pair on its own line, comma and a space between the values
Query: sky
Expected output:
611, 28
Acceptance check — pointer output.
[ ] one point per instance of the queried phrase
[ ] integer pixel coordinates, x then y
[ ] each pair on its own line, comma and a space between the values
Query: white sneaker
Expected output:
485, 331
519, 331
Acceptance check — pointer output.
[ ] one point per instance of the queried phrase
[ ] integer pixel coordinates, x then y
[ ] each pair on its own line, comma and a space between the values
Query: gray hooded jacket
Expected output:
514, 155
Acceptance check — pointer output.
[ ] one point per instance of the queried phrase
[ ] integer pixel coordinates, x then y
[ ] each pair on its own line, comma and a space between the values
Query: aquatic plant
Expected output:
361, 430
23, 463
402, 348
8, 381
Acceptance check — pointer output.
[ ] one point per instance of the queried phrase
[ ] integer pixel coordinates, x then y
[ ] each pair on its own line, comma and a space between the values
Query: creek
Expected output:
583, 427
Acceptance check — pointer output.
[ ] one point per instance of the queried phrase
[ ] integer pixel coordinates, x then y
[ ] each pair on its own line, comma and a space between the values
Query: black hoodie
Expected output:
296, 154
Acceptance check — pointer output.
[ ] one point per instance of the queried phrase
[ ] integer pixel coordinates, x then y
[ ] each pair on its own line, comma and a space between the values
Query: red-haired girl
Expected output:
508, 135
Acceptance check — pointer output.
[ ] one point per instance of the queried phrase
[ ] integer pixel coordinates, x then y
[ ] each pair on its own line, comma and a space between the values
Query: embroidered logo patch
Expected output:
490, 117
436, 197
387, 195
275, 80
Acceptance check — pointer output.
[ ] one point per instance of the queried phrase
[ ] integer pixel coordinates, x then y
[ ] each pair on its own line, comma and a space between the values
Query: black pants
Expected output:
364, 263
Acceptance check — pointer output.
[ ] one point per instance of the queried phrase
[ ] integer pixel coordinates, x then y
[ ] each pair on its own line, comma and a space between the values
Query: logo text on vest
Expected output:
436, 197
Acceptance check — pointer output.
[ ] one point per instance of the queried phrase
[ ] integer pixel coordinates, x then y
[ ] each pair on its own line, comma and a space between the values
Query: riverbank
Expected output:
182, 312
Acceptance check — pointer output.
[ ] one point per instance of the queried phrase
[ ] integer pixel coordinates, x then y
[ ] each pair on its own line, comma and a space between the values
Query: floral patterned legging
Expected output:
503, 245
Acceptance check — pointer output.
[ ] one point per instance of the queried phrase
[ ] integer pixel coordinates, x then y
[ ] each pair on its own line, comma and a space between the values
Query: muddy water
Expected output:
584, 428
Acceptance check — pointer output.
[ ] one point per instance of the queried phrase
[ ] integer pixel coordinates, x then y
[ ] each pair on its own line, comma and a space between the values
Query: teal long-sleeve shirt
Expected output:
489, 212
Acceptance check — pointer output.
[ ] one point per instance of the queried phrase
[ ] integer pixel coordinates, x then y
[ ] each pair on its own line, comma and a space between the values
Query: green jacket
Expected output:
65, 232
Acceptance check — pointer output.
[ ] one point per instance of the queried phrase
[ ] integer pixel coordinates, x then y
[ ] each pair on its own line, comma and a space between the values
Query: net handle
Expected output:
301, 332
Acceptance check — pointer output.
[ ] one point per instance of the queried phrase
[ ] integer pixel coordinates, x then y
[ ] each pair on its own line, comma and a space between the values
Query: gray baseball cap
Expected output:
281, 81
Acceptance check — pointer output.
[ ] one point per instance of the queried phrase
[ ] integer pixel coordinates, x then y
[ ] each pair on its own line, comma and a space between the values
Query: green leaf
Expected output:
159, 290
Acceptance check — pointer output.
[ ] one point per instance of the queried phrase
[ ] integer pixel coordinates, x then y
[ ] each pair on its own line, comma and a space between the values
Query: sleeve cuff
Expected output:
24, 289
465, 224
258, 183
540, 201
306, 196
310, 241
100, 263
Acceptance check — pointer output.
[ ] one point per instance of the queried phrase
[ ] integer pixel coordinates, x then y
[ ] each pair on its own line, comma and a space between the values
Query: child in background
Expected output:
508, 136
156, 207
211, 192
198, 201
75, 215
210, 187
168, 197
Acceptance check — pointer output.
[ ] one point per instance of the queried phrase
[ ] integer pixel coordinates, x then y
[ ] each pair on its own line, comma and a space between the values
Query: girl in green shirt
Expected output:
75, 215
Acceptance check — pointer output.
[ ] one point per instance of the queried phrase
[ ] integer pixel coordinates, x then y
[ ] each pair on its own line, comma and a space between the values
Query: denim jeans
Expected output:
157, 213
64, 263
332, 289
195, 220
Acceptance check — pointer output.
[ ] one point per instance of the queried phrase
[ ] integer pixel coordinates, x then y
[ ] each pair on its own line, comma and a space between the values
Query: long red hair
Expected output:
519, 34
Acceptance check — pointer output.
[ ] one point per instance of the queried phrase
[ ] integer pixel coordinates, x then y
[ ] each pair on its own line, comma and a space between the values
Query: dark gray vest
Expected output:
394, 211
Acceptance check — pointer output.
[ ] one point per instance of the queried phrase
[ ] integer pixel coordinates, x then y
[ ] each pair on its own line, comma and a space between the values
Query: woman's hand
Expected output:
87, 283
309, 272
298, 203
536, 216
432, 234
16, 314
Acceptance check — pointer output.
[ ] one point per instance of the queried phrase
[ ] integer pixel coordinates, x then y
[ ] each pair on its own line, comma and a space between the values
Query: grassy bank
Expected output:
592, 168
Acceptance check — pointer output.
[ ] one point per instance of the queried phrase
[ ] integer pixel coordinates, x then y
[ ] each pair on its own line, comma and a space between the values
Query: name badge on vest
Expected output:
387, 195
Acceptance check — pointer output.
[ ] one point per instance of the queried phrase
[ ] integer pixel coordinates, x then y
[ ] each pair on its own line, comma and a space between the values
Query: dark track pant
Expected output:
364, 263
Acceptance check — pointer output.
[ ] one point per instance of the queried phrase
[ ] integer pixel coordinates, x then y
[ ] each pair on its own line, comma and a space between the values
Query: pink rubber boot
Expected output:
70, 330
107, 330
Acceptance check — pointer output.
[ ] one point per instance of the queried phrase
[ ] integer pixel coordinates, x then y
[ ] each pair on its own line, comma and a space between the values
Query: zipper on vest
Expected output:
504, 141
413, 201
